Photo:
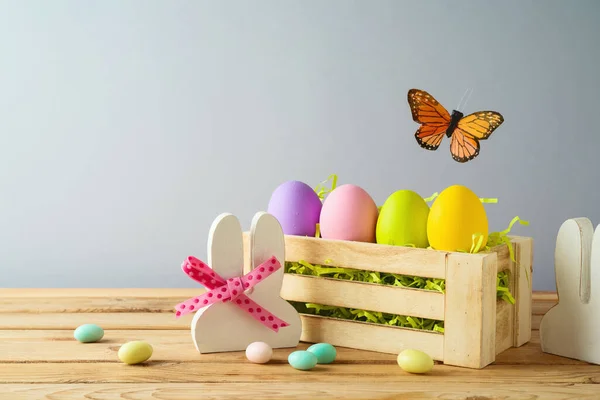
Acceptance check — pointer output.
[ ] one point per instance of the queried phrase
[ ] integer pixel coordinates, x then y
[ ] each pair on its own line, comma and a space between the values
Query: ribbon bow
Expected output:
221, 290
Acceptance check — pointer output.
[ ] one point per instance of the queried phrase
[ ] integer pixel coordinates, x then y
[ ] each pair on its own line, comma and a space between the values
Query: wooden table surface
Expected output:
39, 359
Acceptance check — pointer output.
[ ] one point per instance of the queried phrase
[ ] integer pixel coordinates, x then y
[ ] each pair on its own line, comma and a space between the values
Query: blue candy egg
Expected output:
302, 360
88, 333
324, 351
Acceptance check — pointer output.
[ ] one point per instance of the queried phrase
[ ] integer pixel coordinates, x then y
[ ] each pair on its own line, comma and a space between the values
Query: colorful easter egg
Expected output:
403, 220
349, 213
259, 352
302, 360
415, 361
325, 352
456, 215
297, 208
88, 333
135, 352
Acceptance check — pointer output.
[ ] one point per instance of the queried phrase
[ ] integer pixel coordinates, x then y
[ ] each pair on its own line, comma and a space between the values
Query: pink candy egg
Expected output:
349, 213
259, 352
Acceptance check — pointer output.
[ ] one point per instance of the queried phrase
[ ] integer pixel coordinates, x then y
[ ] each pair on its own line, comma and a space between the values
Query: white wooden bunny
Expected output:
238, 310
572, 327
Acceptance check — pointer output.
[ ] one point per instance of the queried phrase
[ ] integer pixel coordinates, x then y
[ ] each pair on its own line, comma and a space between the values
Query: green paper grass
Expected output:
379, 278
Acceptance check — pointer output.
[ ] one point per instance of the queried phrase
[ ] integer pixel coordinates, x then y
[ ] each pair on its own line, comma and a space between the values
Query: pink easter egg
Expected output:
349, 213
259, 352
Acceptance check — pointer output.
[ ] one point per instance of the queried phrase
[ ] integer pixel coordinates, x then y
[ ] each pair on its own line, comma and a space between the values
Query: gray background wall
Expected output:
127, 126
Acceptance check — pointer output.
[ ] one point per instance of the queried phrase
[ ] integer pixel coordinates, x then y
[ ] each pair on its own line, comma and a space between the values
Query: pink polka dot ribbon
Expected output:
221, 290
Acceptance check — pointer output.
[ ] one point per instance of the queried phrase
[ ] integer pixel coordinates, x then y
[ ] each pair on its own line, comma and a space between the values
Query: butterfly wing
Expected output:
464, 144
432, 116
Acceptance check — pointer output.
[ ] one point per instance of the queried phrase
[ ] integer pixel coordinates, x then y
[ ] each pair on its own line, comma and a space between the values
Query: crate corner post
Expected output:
470, 310
523, 250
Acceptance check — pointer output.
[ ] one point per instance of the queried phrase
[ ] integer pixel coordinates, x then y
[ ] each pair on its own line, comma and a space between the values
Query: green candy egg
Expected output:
302, 360
324, 351
135, 352
403, 220
88, 333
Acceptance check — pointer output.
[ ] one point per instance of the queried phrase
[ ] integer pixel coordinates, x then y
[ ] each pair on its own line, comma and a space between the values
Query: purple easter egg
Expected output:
297, 208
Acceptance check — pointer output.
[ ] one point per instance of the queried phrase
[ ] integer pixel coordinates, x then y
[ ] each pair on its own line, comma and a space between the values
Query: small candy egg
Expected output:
302, 360
259, 352
415, 361
88, 333
135, 352
324, 351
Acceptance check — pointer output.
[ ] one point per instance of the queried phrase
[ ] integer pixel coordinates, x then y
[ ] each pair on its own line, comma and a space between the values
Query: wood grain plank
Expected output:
156, 321
137, 300
279, 370
120, 304
172, 345
300, 390
115, 320
177, 346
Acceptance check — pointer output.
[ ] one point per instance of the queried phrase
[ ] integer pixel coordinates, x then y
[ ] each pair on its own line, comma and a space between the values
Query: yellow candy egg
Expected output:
455, 216
135, 352
415, 361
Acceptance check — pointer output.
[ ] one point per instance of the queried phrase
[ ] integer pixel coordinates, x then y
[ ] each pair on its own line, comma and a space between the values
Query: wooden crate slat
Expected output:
366, 336
367, 256
364, 296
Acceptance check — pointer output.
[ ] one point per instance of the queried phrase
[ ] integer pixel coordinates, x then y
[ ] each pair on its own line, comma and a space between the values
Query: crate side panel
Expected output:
364, 336
504, 325
523, 290
470, 324
364, 296
367, 256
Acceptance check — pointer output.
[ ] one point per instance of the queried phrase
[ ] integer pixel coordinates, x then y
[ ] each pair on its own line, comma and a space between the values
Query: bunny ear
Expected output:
266, 241
572, 259
225, 246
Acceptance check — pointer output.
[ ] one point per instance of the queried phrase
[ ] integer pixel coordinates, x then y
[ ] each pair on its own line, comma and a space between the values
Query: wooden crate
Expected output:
477, 325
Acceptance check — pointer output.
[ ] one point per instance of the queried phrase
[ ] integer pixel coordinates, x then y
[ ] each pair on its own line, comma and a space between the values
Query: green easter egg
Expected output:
325, 352
135, 352
88, 333
403, 220
302, 360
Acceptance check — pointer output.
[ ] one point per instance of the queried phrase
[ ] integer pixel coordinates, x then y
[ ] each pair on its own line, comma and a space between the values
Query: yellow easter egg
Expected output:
455, 216
135, 352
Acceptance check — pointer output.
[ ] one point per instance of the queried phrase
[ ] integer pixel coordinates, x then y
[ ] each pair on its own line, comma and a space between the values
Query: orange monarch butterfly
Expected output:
465, 132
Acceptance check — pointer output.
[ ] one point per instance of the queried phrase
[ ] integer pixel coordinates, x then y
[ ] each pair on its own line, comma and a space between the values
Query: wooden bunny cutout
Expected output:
572, 327
227, 326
